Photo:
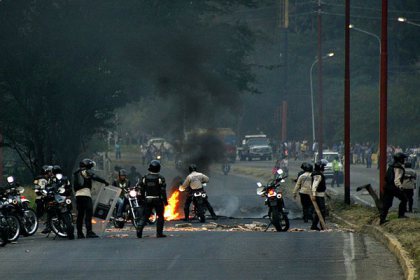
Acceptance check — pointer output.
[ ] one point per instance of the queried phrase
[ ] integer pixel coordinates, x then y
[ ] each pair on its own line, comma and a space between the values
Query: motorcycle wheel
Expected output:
61, 225
29, 222
68, 222
4, 232
14, 228
285, 224
276, 219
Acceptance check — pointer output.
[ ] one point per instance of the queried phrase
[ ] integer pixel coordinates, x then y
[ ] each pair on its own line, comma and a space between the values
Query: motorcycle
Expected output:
199, 203
274, 200
27, 217
132, 212
4, 228
57, 197
9, 220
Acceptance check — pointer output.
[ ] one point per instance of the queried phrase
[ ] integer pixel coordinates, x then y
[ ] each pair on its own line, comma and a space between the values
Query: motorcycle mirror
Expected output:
10, 179
279, 171
260, 191
20, 189
259, 184
61, 190
59, 176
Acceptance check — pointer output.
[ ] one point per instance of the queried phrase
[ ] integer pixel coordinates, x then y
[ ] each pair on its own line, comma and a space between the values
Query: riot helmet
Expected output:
192, 168
122, 172
87, 163
57, 170
46, 169
400, 158
307, 167
319, 165
154, 166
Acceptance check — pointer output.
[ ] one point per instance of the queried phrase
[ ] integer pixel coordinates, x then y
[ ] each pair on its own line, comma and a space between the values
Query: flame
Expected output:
171, 209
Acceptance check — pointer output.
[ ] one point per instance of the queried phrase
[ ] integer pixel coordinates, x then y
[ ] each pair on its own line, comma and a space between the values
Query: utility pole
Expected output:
347, 106
383, 102
284, 24
320, 95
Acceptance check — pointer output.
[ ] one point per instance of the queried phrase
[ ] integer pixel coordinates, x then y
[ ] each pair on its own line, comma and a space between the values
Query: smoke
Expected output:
227, 206
203, 150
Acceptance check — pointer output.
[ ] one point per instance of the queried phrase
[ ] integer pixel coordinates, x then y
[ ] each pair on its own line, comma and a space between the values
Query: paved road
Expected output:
199, 253
202, 255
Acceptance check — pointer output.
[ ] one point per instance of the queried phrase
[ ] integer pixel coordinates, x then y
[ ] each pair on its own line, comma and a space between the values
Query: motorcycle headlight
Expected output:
204, 195
279, 195
68, 201
133, 193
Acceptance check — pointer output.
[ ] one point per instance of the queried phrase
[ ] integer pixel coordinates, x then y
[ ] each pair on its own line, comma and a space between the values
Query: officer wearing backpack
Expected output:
409, 184
83, 179
393, 187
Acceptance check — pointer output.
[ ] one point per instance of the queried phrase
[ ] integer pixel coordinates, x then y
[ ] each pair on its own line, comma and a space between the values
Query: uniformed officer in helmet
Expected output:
153, 190
83, 179
393, 187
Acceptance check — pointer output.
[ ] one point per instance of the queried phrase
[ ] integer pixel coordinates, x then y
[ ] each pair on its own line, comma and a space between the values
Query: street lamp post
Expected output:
312, 92
405, 20
351, 26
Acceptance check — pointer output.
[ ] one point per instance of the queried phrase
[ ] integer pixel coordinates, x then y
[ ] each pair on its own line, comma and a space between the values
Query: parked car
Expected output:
328, 157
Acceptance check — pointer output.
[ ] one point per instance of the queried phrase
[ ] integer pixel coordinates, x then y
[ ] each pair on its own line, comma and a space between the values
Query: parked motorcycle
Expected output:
274, 200
58, 204
27, 217
10, 222
132, 212
4, 228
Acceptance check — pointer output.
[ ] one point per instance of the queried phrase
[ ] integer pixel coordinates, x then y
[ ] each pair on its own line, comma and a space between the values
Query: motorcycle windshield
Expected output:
59, 198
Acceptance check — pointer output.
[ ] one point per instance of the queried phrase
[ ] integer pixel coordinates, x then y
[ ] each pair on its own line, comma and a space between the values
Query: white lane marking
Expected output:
348, 253
172, 264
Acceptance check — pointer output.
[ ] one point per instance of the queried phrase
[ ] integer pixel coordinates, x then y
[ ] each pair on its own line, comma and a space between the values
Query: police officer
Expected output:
303, 186
393, 187
318, 193
194, 181
153, 190
336, 172
83, 178
42, 181
123, 183
409, 184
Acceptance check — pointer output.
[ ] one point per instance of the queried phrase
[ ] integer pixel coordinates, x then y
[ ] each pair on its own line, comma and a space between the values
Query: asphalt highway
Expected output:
228, 251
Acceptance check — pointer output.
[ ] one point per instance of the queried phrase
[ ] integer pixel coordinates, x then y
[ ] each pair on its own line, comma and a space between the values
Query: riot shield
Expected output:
103, 207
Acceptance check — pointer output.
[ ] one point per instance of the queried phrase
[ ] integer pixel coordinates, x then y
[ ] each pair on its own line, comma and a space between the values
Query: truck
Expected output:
255, 146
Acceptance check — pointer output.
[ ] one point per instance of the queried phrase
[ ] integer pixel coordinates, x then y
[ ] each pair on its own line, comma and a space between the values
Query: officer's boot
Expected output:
159, 228
186, 215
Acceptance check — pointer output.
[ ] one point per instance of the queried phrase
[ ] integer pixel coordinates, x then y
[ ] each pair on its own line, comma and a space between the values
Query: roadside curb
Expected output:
395, 247
390, 242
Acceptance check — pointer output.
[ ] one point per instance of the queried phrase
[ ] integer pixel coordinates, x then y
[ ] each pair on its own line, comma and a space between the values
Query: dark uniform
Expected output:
393, 187
83, 179
153, 190
318, 193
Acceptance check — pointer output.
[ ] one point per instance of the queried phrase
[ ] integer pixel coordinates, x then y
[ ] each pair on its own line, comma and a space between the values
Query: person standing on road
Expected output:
409, 185
393, 184
82, 182
303, 186
195, 181
318, 193
336, 172
153, 189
